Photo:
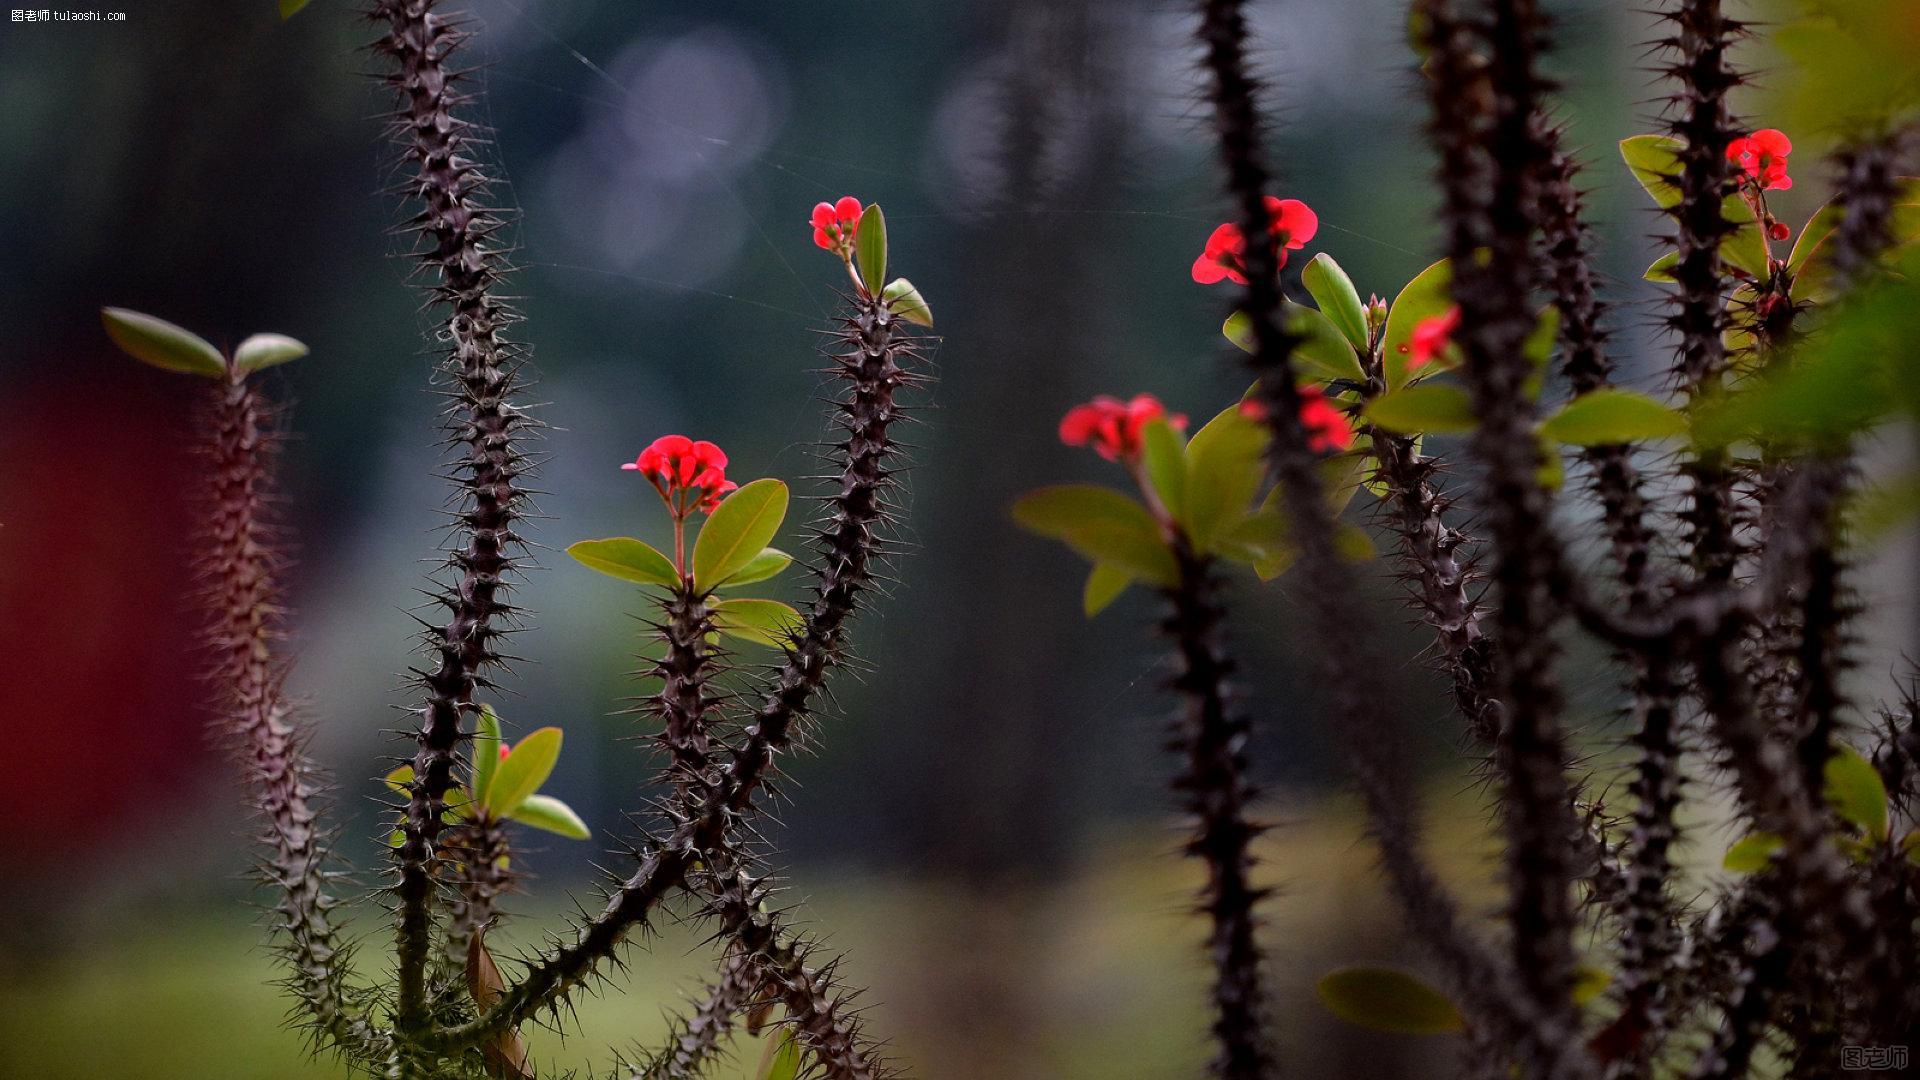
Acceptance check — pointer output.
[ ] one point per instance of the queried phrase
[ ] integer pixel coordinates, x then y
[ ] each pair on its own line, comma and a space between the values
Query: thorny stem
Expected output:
706, 814
456, 230
1360, 711
256, 715
1213, 734
695, 1041
1483, 116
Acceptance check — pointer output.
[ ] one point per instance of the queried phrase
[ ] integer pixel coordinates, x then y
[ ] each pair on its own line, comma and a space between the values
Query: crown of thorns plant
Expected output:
1728, 506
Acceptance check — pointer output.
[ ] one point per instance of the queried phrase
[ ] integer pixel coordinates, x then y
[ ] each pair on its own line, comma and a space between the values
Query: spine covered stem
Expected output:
1213, 735
256, 716
456, 230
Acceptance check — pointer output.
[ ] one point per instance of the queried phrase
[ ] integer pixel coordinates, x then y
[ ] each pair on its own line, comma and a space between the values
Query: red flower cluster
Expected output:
1431, 336
1763, 157
834, 223
1113, 426
1326, 426
1292, 224
689, 475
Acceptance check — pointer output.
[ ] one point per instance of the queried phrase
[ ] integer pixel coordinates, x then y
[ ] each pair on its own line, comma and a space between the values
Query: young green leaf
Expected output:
400, 779
1856, 792
1662, 268
1412, 410
905, 301
523, 770
289, 8
1225, 465
1164, 453
552, 815
763, 622
1610, 416
1589, 982
739, 528
770, 562
1333, 290
1655, 162
1751, 853
1323, 353
1101, 524
1429, 294
870, 248
1390, 1001
783, 1059
162, 344
625, 558
266, 350
1064, 509
1104, 585
486, 753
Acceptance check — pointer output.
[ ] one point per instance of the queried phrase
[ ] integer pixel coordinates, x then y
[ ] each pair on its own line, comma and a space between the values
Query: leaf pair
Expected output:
1654, 161
506, 786
173, 348
730, 551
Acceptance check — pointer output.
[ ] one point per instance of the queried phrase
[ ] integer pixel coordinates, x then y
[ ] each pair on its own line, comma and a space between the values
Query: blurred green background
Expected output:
984, 829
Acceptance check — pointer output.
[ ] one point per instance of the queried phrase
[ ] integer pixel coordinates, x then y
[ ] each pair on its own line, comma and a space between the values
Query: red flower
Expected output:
1431, 336
1327, 428
833, 225
1113, 426
689, 475
1293, 223
1763, 157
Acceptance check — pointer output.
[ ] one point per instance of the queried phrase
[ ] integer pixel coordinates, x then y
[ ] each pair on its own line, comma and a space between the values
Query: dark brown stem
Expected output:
1484, 111
1214, 735
457, 247
1361, 713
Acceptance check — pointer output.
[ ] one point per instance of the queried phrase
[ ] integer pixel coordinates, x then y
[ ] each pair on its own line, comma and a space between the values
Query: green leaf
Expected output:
763, 622
289, 8
523, 770
1856, 792
905, 301
625, 558
1225, 465
400, 779
162, 344
1589, 982
266, 350
548, 813
1662, 268
1333, 290
1412, 410
1655, 161
1102, 524
1104, 586
768, 563
783, 1063
1751, 853
739, 528
1430, 293
1323, 353
1609, 416
1818, 227
1552, 472
1164, 453
1065, 509
486, 753
1745, 247
870, 248
1387, 1000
